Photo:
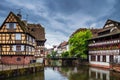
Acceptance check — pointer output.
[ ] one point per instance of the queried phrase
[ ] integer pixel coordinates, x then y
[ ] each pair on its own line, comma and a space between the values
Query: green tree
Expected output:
65, 54
48, 55
79, 44
54, 53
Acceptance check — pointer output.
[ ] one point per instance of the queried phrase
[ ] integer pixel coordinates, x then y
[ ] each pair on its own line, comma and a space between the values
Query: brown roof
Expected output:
63, 44
37, 30
109, 21
20, 22
94, 31
116, 24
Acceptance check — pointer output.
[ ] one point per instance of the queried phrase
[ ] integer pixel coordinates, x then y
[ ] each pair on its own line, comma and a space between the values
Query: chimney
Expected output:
19, 15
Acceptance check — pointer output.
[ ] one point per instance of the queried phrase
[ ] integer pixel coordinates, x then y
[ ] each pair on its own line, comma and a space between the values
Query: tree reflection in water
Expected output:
71, 73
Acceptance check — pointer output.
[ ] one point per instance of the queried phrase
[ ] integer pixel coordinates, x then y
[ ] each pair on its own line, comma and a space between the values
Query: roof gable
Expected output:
12, 18
111, 23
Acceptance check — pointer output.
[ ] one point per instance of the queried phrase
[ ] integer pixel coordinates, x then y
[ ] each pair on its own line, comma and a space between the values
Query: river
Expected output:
71, 73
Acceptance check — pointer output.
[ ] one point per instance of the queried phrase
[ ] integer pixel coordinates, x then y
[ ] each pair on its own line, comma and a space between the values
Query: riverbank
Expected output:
7, 71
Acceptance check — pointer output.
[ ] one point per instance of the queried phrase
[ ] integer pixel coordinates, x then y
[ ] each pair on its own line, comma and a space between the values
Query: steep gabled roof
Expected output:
109, 27
37, 30
113, 29
63, 44
109, 21
94, 31
19, 21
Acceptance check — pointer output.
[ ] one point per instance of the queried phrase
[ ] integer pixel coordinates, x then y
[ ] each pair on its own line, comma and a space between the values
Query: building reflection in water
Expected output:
34, 76
99, 74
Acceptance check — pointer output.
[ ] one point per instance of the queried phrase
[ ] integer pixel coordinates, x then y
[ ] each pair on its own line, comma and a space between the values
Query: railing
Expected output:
16, 53
105, 42
105, 51
18, 42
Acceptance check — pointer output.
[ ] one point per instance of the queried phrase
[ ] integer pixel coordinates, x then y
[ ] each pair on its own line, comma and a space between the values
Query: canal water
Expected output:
71, 73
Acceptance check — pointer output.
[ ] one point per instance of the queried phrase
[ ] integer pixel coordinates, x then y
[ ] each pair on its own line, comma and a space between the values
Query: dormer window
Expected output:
11, 25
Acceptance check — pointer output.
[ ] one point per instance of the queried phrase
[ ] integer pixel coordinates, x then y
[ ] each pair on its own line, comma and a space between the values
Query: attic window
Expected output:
11, 25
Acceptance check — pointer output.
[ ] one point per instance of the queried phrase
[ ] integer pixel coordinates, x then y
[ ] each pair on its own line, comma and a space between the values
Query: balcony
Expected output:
104, 42
105, 52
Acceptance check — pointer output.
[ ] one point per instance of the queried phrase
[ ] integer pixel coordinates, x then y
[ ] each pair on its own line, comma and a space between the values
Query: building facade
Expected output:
17, 44
39, 33
63, 47
104, 49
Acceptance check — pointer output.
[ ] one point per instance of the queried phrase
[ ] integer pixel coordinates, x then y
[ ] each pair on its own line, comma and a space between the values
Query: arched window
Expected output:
18, 59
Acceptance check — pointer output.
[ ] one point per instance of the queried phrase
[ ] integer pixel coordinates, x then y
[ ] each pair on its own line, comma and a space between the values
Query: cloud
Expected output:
62, 17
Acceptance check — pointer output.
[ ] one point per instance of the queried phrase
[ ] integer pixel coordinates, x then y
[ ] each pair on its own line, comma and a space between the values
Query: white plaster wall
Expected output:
101, 57
89, 58
96, 58
100, 63
107, 58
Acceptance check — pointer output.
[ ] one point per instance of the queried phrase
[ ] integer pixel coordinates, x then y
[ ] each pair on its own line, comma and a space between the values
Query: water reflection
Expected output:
34, 76
54, 74
99, 74
71, 73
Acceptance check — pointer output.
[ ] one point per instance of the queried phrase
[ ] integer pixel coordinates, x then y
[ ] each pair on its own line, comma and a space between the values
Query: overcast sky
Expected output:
61, 18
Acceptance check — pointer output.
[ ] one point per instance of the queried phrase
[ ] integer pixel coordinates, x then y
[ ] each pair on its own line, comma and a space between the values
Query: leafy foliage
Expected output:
65, 54
78, 44
48, 55
54, 53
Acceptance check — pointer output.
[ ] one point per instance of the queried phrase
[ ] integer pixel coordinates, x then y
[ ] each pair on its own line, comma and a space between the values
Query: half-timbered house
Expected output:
17, 43
104, 49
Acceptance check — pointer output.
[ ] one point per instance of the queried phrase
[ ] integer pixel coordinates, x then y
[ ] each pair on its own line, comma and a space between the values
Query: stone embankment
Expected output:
7, 71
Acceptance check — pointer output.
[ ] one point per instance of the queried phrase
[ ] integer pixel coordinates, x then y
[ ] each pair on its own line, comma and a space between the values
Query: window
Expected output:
93, 58
33, 40
98, 58
11, 25
18, 37
111, 58
18, 47
0, 48
30, 48
41, 52
104, 58
22, 47
27, 48
14, 48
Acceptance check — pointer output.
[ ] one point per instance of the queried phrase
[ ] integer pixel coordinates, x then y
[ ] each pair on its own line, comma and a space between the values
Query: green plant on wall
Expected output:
78, 44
